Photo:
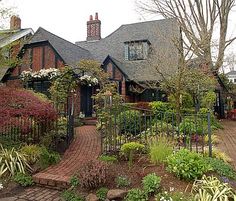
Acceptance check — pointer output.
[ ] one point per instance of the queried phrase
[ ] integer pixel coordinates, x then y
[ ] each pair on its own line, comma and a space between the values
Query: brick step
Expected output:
51, 181
89, 121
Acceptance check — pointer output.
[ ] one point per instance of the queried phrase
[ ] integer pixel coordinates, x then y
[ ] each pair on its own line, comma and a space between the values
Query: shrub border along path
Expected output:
228, 139
86, 146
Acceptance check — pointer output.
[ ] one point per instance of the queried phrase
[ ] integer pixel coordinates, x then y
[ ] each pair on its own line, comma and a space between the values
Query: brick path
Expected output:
86, 146
36, 194
228, 139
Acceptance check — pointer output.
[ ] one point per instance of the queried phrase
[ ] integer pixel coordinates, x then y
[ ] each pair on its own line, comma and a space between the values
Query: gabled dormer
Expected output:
136, 50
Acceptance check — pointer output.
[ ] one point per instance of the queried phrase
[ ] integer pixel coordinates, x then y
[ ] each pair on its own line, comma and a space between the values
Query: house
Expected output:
231, 76
127, 55
11, 41
130, 53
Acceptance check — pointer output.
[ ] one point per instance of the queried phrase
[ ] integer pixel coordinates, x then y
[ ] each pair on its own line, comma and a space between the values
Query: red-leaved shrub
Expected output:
93, 174
143, 105
22, 109
232, 114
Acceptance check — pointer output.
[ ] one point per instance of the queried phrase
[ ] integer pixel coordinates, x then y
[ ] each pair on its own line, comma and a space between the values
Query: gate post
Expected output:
209, 133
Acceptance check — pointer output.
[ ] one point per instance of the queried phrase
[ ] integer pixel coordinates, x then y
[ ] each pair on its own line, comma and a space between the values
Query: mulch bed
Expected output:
140, 168
10, 189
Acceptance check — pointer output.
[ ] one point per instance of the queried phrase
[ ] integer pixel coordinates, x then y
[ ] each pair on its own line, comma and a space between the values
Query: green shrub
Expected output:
136, 194
109, 159
68, 195
129, 121
23, 179
221, 168
122, 181
187, 165
214, 122
32, 153
9, 143
48, 158
151, 183
130, 148
93, 174
188, 126
211, 189
159, 150
74, 181
187, 101
12, 162
160, 107
102, 193
209, 100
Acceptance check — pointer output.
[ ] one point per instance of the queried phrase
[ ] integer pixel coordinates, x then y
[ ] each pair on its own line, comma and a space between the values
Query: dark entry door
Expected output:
86, 100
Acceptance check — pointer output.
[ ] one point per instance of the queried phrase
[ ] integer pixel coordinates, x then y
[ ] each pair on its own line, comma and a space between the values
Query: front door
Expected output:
86, 100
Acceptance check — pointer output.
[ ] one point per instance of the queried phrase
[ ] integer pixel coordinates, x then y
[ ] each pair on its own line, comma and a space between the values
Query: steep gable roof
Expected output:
9, 36
160, 34
69, 52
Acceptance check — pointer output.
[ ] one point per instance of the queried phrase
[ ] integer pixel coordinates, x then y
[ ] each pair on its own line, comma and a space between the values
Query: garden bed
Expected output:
139, 169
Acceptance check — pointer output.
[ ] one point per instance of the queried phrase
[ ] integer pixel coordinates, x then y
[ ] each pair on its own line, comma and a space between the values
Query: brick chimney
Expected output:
93, 28
15, 23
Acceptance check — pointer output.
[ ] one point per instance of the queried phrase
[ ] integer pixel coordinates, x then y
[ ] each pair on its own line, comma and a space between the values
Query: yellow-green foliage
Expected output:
159, 150
128, 150
212, 189
131, 147
216, 153
12, 162
32, 153
214, 139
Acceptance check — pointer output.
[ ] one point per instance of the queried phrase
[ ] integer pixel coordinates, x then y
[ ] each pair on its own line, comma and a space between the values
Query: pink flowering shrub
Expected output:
22, 110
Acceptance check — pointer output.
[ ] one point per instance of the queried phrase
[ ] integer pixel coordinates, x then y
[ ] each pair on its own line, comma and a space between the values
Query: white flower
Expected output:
172, 189
1, 186
43, 73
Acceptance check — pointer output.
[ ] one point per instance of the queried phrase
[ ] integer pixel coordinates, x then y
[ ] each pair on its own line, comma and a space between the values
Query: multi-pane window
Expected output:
136, 50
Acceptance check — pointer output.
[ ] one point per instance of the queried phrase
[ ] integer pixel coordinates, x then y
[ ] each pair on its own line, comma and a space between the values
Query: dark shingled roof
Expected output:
160, 33
69, 52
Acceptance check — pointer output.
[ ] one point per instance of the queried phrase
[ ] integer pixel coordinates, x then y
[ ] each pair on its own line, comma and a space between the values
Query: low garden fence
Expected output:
31, 130
126, 124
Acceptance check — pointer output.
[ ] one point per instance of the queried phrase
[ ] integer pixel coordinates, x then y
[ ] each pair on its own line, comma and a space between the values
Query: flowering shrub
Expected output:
42, 74
88, 80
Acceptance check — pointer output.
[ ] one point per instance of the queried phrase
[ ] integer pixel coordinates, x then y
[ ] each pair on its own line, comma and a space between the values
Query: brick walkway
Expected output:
36, 194
86, 146
228, 139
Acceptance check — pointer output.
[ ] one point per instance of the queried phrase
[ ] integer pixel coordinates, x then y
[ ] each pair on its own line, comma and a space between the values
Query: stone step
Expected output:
51, 181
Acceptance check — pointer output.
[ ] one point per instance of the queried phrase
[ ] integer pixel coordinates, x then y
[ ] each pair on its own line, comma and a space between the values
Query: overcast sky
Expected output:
68, 18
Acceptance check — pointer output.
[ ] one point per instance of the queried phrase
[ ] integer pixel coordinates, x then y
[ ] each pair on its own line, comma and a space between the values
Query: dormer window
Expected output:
136, 50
